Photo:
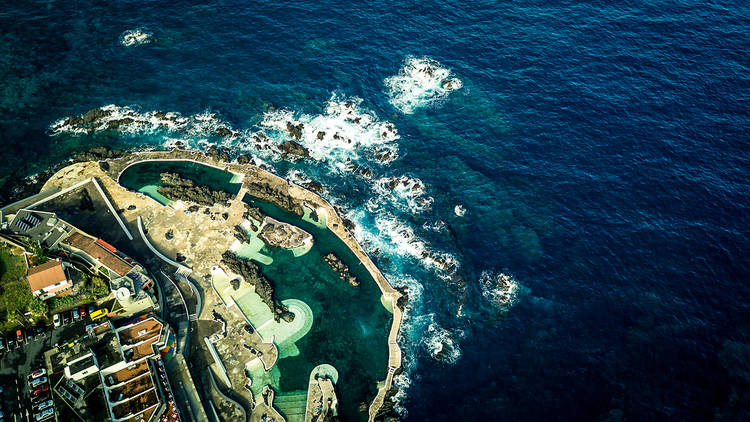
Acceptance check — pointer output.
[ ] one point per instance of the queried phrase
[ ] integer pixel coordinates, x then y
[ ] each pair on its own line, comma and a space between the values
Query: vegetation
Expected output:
12, 266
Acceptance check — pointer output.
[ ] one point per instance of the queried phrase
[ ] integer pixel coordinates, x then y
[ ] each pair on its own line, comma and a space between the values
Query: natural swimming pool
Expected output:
145, 177
350, 324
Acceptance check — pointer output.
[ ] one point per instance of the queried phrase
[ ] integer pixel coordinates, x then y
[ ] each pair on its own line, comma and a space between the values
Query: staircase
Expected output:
292, 405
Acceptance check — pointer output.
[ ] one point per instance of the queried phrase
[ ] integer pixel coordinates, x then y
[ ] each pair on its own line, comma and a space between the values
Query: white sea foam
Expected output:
390, 234
459, 210
403, 191
499, 290
133, 37
420, 82
131, 121
442, 344
342, 133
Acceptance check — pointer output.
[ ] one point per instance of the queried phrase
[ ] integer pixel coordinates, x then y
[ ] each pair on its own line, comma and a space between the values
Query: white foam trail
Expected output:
343, 132
399, 238
459, 210
420, 82
133, 37
499, 290
442, 344
130, 121
405, 192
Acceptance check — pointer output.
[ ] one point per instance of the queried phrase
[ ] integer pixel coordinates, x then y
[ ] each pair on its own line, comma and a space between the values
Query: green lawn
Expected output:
12, 267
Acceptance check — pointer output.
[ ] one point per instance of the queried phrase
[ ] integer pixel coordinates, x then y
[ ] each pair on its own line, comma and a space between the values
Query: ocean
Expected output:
561, 185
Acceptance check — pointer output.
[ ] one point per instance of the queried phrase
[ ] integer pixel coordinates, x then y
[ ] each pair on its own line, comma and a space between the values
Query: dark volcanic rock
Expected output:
104, 166
169, 235
321, 134
293, 148
240, 234
342, 269
265, 191
180, 257
98, 154
252, 274
222, 131
131, 207
295, 131
175, 187
95, 114
243, 159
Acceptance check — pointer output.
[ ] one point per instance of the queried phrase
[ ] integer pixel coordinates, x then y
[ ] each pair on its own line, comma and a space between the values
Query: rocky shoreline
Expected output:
342, 269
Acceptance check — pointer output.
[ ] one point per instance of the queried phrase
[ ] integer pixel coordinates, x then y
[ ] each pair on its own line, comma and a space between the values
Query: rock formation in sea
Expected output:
342, 269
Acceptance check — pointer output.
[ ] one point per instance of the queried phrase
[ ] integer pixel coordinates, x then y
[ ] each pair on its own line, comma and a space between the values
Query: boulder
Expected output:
294, 130
293, 148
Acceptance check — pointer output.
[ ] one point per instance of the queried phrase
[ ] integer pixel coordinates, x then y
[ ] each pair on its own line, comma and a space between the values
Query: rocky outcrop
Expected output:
240, 234
97, 154
252, 274
291, 148
176, 187
266, 192
294, 130
252, 212
219, 154
278, 234
342, 269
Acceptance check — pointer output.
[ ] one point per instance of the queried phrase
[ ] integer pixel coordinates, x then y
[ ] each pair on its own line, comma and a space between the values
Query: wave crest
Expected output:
420, 82
338, 135
133, 37
499, 290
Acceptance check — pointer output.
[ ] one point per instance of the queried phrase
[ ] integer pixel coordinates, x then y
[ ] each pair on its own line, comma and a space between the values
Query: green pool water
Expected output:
145, 177
350, 326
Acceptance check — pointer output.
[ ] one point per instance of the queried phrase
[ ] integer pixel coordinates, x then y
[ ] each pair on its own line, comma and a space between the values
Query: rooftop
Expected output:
46, 275
101, 251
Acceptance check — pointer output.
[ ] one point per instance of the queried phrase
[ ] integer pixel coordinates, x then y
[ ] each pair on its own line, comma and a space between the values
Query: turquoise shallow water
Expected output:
600, 151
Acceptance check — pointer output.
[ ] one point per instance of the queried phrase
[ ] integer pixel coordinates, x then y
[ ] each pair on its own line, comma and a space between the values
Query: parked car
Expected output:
44, 414
44, 405
29, 334
40, 398
19, 336
75, 314
2, 344
38, 381
39, 330
57, 320
38, 373
41, 389
91, 309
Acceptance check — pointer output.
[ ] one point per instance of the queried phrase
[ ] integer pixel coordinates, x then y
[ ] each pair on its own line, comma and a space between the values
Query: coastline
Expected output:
302, 197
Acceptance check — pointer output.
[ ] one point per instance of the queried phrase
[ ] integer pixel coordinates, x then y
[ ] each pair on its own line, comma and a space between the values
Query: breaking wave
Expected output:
403, 191
499, 290
420, 82
133, 37
459, 210
131, 121
338, 135
399, 238
442, 344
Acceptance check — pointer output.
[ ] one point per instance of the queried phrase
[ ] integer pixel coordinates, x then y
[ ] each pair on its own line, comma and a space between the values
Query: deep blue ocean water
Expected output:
600, 151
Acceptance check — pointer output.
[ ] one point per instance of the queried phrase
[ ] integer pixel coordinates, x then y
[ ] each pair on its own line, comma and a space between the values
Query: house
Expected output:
49, 280
127, 362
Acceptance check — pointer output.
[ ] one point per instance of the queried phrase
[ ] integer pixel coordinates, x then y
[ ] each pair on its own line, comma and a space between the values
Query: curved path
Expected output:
224, 396
180, 267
